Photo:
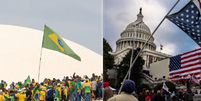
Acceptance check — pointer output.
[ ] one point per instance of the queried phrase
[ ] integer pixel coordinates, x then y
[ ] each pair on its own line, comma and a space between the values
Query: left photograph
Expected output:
51, 51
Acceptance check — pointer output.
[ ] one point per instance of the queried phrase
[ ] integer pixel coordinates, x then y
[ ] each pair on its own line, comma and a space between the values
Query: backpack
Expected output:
99, 85
73, 87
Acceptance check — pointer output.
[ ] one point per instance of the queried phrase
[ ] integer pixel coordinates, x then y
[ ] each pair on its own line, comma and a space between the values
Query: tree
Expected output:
125, 65
108, 60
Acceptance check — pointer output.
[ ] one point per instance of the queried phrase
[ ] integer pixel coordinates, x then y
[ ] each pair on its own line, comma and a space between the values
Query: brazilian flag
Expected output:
56, 95
51, 40
11, 98
36, 94
27, 81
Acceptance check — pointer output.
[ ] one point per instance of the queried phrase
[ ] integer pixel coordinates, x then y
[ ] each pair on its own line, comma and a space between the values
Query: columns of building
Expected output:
138, 44
147, 63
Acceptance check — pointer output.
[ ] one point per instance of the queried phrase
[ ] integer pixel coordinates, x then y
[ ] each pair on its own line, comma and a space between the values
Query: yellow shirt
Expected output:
34, 83
4, 85
22, 97
68, 82
87, 87
7, 95
59, 89
45, 84
17, 94
42, 95
65, 91
1, 98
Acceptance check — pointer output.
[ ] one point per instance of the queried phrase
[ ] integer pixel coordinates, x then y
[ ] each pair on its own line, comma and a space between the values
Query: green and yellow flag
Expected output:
27, 81
36, 94
51, 40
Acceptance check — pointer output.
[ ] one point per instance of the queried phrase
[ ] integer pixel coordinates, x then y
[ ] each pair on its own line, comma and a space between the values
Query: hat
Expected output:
148, 97
105, 84
129, 86
58, 84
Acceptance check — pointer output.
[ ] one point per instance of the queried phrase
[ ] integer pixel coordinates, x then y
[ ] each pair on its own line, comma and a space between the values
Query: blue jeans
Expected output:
99, 92
85, 96
81, 95
75, 94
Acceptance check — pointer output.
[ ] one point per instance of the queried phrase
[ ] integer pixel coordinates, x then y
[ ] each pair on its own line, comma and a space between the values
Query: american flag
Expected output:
161, 47
165, 87
185, 64
188, 19
195, 79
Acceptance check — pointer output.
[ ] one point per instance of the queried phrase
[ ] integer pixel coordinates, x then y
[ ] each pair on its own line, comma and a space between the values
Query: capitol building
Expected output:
125, 43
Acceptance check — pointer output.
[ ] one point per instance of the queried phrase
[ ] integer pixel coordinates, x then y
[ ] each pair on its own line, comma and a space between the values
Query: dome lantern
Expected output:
140, 16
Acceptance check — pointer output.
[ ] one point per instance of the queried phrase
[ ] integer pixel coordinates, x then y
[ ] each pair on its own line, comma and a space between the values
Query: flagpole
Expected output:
131, 59
40, 57
144, 46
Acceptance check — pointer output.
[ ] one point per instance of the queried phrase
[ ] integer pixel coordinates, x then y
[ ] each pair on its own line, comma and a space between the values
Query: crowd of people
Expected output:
73, 88
128, 94
180, 95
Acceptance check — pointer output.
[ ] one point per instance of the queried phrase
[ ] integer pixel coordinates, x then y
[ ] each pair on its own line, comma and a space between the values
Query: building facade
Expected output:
138, 32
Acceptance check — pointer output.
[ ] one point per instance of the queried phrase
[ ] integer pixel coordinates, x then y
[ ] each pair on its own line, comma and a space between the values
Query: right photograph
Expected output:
151, 50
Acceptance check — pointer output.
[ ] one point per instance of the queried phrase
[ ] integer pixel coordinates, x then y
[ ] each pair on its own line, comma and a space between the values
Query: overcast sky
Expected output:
117, 14
77, 20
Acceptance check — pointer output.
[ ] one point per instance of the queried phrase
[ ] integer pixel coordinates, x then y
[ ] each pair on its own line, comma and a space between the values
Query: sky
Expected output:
79, 21
118, 14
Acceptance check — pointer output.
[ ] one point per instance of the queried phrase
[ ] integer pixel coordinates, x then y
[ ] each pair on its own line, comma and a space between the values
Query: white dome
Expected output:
141, 26
20, 54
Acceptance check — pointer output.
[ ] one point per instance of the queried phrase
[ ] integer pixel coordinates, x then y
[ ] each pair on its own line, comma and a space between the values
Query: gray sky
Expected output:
117, 14
77, 20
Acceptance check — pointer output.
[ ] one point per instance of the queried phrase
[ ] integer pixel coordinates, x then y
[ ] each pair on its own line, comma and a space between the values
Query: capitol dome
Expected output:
142, 34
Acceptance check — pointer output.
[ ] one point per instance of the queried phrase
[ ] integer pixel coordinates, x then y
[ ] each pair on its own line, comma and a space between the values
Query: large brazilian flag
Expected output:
36, 94
56, 95
51, 40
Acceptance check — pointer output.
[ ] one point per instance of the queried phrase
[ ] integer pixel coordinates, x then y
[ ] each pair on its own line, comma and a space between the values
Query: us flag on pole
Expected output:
195, 79
161, 47
165, 87
188, 19
185, 64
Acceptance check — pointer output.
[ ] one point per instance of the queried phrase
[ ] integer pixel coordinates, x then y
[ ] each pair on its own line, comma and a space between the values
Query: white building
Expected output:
20, 55
125, 43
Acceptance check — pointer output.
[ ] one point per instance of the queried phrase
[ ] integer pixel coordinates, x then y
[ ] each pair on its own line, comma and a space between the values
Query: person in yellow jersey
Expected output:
33, 82
45, 82
42, 86
42, 95
87, 90
1, 96
22, 97
5, 85
6, 94
59, 89
17, 93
